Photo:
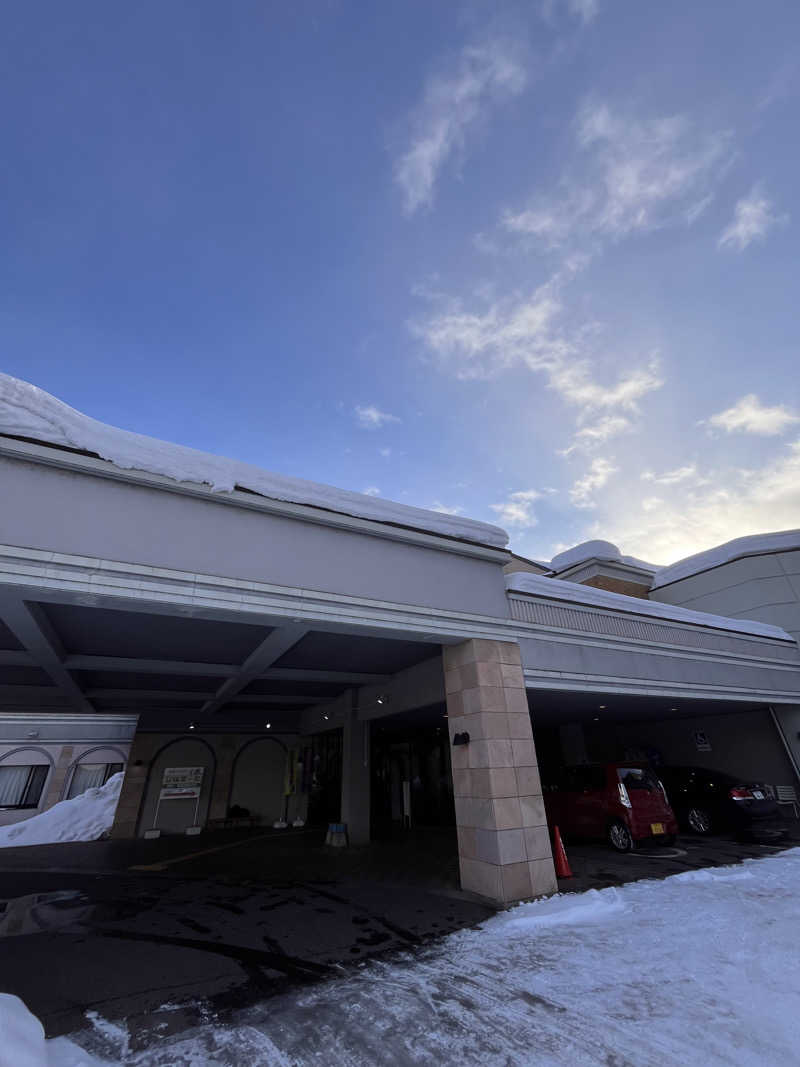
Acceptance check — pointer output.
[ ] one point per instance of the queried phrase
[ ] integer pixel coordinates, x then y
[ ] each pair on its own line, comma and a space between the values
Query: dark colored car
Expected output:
622, 803
707, 801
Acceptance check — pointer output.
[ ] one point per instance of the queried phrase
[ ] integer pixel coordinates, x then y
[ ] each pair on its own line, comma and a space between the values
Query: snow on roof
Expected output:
557, 589
27, 411
756, 544
596, 550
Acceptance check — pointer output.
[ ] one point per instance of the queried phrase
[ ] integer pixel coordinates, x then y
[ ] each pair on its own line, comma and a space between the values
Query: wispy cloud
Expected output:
753, 218
371, 490
529, 332
643, 173
582, 492
453, 102
517, 509
371, 417
444, 509
673, 477
584, 10
749, 415
598, 433
730, 502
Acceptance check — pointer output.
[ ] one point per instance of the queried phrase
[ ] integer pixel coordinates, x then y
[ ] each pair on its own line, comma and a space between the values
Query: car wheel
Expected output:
619, 836
699, 820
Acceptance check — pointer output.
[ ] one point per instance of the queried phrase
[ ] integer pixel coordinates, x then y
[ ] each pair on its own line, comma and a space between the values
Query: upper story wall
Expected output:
763, 587
96, 511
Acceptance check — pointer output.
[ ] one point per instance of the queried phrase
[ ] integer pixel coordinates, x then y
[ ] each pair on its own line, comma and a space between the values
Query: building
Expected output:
299, 652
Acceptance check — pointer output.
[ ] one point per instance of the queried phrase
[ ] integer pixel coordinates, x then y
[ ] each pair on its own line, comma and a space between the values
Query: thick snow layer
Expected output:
27, 411
84, 818
698, 969
557, 589
596, 550
785, 541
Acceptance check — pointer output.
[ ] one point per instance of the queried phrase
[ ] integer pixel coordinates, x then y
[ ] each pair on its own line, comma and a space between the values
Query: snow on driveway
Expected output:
700, 968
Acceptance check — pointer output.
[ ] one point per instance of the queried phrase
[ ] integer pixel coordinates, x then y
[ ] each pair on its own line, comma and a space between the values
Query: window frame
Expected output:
25, 802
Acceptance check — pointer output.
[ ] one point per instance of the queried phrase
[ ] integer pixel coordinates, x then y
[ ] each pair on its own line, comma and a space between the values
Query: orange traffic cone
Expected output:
562, 863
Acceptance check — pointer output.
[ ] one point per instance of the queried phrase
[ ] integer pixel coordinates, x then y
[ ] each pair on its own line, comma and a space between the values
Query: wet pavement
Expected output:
164, 932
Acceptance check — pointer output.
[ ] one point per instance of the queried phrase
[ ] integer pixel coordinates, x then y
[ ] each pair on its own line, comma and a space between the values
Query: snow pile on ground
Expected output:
22, 1041
755, 545
84, 818
27, 411
558, 589
698, 969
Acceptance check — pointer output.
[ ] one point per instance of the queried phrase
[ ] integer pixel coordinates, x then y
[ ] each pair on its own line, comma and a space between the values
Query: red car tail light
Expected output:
740, 793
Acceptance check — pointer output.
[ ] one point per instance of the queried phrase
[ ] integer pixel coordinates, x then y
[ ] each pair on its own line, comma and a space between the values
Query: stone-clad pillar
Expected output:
503, 838
355, 776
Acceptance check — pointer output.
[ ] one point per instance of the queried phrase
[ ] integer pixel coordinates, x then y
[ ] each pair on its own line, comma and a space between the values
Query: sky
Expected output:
534, 263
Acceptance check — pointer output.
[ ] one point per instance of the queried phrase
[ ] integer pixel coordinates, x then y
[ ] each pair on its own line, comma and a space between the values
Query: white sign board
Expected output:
181, 783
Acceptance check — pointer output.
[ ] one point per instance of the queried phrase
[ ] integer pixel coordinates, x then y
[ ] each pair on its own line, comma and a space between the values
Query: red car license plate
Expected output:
656, 828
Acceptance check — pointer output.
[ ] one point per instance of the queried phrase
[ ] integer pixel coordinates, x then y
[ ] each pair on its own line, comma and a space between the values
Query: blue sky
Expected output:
534, 262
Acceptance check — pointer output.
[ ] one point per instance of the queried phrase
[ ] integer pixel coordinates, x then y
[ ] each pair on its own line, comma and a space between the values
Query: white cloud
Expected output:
598, 433
372, 418
527, 331
642, 174
751, 416
753, 218
452, 103
582, 492
730, 503
517, 509
385, 452
443, 509
652, 503
673, 477
585, 10
371, 490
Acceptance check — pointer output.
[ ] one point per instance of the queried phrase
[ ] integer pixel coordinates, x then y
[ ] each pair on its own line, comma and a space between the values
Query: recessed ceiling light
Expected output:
602, 707
596, 718
267, 725
380, 700
326, 717
192, 725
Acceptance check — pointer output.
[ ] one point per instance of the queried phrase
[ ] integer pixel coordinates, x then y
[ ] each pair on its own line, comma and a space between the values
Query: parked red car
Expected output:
622, 803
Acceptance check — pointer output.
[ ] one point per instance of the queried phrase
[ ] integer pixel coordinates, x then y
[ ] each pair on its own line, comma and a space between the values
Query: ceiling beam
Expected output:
268, 652
188, 695
31, 627
212, 670
10, 658
149, 666
345, 678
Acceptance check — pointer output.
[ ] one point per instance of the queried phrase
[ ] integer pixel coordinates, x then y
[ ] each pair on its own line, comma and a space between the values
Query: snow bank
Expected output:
27, 411
596, 550
558, 589
757, 544
700, 969
84, 818
22, 1041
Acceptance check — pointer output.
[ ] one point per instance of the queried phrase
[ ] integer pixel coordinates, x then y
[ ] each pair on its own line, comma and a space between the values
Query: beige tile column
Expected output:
503, 838
131, 795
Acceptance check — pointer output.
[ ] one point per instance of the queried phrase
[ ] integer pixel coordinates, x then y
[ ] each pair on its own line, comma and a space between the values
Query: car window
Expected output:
637, 778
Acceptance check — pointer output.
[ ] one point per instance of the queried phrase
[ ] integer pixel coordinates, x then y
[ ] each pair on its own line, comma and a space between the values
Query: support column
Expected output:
503, 838
355, 775
221, 789
131, 795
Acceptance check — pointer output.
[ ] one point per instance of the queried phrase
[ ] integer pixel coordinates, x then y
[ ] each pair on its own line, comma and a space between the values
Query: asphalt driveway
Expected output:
164, 932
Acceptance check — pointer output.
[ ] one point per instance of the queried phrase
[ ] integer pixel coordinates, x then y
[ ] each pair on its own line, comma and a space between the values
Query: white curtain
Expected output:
86, 776
12, 784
